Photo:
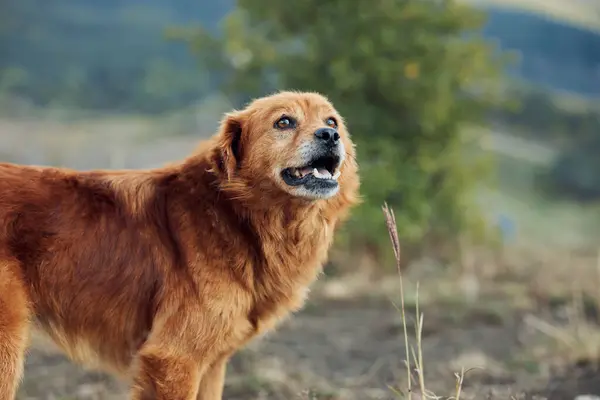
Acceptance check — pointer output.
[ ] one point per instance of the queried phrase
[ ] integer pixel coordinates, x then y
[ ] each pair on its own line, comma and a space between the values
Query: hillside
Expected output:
108, 55
582, 13
112, 55
554, 54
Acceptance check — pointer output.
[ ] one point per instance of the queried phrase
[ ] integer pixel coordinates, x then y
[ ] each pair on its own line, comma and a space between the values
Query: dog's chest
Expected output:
284, 295
267, 315
290, 264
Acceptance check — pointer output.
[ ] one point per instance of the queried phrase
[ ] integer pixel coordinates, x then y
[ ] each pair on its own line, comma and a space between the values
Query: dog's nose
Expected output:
328, 135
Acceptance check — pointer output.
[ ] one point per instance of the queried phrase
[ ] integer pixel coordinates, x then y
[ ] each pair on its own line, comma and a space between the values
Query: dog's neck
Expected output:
286, 239
293, 241
280, 226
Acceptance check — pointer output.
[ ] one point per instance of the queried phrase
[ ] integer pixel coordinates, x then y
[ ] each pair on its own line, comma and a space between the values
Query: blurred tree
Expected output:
406, 74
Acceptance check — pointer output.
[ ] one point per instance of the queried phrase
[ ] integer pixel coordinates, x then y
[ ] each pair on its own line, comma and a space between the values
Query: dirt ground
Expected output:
352, 349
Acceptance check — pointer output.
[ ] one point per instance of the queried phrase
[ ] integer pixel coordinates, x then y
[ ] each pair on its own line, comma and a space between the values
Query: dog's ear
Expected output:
230, 140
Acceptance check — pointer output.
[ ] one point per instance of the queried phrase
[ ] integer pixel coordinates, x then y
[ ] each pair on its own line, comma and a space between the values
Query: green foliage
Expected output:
406, 74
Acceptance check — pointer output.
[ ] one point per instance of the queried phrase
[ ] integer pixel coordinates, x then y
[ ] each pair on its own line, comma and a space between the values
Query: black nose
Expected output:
329, 135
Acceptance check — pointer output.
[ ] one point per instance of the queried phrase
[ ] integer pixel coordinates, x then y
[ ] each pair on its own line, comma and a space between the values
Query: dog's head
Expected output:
295, 143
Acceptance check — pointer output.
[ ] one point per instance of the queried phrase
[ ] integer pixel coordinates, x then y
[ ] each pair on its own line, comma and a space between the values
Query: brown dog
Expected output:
161, 275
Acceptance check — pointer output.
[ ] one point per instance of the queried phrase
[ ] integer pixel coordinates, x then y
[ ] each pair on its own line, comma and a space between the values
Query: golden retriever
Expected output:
161, 275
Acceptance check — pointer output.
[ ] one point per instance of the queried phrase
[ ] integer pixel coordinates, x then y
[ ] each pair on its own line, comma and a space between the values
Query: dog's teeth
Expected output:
317, 174
336, 175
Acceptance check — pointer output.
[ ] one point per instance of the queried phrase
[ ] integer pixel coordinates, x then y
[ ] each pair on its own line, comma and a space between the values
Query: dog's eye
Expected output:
331, 122
285, 123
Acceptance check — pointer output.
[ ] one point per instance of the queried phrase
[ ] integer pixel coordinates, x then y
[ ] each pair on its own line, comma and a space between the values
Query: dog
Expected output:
159, 276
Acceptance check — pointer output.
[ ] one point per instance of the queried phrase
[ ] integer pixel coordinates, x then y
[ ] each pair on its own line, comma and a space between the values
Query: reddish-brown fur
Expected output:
161, 275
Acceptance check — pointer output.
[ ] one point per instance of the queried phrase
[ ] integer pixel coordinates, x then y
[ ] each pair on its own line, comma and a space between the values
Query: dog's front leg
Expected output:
177, 355
213, 380
161, 375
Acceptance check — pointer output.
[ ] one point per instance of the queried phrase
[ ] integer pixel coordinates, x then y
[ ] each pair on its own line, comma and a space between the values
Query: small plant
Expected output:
417, 355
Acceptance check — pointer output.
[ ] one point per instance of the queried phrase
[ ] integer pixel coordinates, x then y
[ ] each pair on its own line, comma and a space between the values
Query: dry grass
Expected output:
416, 353
577, 338
555, 342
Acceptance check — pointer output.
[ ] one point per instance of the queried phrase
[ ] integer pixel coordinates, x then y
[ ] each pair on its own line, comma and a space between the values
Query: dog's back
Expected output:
75, 255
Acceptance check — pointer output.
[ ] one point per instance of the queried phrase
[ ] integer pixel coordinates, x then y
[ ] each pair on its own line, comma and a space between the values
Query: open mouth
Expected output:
323, 169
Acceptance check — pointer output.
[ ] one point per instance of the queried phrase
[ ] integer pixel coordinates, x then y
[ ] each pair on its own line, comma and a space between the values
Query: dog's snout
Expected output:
328, 135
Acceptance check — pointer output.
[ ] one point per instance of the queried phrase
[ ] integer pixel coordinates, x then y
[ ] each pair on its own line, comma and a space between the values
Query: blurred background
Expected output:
477, 121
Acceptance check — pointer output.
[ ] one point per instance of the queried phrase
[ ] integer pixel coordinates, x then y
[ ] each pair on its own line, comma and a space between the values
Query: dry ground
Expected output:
347, 344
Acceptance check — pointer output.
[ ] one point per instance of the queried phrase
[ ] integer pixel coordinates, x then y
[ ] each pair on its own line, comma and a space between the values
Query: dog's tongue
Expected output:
324, 172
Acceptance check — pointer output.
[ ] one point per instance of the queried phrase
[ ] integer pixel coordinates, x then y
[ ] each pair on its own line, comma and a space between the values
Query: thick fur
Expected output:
161, 275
